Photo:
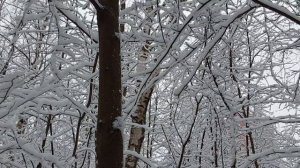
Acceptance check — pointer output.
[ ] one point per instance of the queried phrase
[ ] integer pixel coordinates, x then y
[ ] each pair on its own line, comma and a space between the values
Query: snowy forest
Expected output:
149, 83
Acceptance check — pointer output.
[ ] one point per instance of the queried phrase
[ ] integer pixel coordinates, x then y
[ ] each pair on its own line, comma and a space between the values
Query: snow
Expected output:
51, 48
141, 157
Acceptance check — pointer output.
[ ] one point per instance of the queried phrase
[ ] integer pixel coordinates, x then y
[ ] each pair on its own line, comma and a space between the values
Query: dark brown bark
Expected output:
48, 128
109, 143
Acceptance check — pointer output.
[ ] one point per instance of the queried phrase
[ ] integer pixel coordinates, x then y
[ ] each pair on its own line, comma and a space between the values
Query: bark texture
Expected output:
137, 134
109, 143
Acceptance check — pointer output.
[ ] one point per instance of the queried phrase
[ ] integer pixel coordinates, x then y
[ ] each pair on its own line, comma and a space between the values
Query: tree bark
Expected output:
137, 134
109, 142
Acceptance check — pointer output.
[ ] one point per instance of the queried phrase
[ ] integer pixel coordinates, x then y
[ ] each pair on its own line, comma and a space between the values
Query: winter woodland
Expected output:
149, 83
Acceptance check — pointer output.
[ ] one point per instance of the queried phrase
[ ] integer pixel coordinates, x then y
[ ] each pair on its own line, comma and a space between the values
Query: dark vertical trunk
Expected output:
109, 143
201, 147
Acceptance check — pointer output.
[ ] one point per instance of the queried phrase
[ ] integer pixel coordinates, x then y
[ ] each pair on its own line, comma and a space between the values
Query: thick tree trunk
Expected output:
109, 142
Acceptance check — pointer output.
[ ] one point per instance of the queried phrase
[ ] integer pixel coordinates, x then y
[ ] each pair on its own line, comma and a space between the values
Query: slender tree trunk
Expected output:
201, 147
137, 134
109, 142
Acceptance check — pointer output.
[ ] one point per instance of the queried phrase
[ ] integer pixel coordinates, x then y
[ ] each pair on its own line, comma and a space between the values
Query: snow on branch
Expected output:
278, 9
90, 33
141, 157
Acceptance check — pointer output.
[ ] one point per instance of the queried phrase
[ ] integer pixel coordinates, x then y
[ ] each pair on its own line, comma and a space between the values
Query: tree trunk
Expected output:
137, 134
109, 142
